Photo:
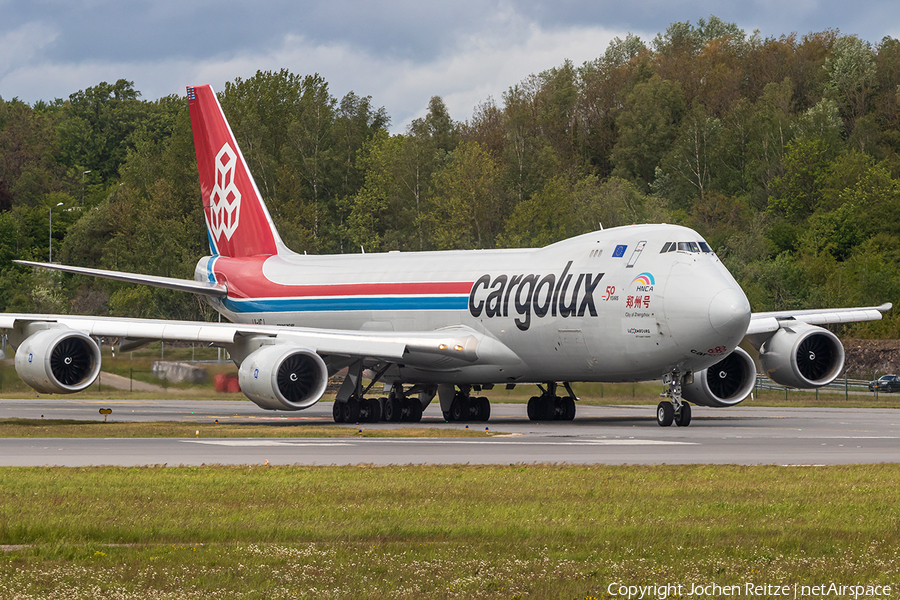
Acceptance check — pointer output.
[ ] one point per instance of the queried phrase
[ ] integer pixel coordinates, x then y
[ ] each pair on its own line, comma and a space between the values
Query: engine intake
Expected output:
283, 377
58, 361
726, 383
802, 356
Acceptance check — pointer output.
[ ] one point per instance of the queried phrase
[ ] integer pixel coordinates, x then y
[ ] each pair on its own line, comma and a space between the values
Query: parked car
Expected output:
885, 383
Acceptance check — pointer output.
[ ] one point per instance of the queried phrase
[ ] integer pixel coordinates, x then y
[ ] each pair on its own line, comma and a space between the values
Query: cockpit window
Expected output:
695, 247
705, 247
684, 246
665, 248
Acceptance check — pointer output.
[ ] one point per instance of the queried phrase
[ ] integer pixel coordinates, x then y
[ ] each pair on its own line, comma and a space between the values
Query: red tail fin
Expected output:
237, 220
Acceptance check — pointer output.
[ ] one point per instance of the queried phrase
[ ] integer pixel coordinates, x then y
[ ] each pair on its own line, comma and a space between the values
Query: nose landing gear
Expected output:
674, 410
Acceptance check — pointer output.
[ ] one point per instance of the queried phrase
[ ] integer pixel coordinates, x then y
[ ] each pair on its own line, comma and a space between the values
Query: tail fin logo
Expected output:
225, 200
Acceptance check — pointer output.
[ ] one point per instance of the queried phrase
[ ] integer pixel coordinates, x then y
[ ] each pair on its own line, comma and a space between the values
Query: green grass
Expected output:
440, 532
72, 428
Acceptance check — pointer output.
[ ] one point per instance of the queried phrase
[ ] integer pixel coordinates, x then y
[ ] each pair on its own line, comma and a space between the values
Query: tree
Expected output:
464, 209
851, 77
693, 152
797, 193
96, 132
647, 127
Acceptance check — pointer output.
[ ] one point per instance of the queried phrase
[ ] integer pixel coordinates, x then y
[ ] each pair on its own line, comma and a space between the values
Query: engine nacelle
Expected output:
58, 360
726, 383
283, 377
802, 356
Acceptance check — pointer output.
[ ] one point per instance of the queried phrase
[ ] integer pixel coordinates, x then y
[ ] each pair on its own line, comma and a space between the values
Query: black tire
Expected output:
683, 419
337, 412
534, 404
459, 410
548, 408
569, 405
374, 410
559, 409
415, 410
484, 409
392, 410
665, 413
351, 413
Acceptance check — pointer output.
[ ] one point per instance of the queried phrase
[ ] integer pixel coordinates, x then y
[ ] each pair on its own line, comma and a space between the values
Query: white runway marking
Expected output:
263, 443
245, 443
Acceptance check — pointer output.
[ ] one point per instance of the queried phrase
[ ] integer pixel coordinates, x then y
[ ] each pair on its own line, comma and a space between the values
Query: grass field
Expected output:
440, 532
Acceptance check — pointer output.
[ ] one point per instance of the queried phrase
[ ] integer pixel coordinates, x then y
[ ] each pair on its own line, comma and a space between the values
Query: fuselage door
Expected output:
635, 255
574, 350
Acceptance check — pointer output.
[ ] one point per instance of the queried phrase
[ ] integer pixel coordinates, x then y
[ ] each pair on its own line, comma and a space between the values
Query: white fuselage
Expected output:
604, 306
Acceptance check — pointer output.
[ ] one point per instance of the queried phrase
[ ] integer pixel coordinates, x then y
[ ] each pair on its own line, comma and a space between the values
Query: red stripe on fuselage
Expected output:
245, 279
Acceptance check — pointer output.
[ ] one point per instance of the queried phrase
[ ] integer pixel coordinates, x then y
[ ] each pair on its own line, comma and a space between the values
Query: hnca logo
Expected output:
225, 200
645, 282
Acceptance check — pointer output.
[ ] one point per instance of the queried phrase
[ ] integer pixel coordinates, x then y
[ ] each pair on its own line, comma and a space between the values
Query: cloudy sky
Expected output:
400, 52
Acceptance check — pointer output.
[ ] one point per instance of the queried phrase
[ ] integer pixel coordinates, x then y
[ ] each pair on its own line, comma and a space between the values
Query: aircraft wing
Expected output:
769, 322
459, 344
205, 288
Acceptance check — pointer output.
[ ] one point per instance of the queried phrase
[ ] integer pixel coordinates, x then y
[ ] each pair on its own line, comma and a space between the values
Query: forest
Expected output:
783, 152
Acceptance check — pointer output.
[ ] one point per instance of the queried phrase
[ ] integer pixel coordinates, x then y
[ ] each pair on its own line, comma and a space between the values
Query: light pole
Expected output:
50, 244
83, 173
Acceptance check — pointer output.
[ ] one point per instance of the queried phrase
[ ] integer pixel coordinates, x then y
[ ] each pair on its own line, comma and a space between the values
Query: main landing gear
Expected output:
352, 405
394, 408
674, 410
466, 407
550, 407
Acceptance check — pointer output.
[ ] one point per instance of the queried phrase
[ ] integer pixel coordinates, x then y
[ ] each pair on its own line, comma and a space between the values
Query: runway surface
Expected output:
599, 435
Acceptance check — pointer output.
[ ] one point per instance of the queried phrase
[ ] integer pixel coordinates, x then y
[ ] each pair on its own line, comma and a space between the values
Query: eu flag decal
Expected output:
620, 251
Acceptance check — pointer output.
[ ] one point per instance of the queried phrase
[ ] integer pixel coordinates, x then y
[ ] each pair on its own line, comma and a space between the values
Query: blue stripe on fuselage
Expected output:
274, 305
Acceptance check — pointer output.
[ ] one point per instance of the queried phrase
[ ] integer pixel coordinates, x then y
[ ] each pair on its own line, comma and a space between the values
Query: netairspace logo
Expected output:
747, 590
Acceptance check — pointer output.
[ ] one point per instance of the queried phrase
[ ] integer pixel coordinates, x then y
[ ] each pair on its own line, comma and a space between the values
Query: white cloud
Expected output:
23, 44
481, 65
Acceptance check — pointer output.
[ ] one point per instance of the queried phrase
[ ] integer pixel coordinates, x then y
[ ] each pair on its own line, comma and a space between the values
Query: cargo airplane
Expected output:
623, 304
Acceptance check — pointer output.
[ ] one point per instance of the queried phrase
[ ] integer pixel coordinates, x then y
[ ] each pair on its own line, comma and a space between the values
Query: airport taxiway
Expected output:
599, 435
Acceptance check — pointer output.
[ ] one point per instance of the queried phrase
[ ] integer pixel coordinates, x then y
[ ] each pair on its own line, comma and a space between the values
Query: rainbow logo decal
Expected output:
644, 279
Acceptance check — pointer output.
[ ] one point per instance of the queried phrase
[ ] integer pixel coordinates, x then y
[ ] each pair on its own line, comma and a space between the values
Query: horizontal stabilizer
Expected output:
205, 288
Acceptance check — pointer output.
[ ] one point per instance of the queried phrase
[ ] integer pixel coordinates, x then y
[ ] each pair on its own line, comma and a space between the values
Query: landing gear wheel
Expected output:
665, 414
548, 408
351, 411
459, 410
415, 410
533, 405
569, 408
337, 412
374, 412
392, 410
484, 409
683, 419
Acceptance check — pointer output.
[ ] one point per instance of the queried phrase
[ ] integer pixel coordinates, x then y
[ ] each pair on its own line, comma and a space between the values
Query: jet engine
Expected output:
58, 360
283, 377
802, 356
726, 383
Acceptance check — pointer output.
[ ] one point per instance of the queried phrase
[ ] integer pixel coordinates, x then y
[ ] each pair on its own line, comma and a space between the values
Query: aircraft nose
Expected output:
729, 313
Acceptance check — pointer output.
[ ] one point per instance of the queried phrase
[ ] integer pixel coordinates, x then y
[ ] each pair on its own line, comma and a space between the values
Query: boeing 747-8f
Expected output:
623, 304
